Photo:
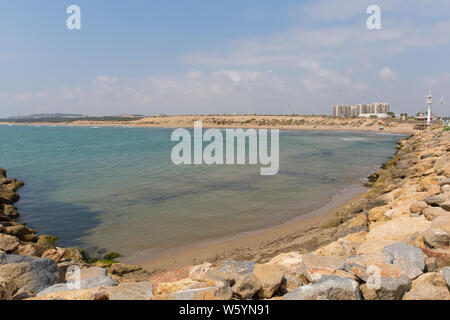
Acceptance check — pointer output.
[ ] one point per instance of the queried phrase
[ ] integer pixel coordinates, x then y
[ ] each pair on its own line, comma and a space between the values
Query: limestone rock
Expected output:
445, 272
219, 291
430, 286
56, 254
78, 279
247, 286
121, 268
327, 288
397, 250
31, 275
7, 288
291, 262
270, 277
235, 268
409, 267
315, 266
342, 248
8, 243
198, 272
432, 213
390, 232
86, 294
436, 238
131, 291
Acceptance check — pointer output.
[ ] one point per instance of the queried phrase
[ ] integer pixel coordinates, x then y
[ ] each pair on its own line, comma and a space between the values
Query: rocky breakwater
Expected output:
392, 243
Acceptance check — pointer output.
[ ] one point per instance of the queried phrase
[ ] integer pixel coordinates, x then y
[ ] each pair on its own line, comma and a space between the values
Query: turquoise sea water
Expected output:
117, 189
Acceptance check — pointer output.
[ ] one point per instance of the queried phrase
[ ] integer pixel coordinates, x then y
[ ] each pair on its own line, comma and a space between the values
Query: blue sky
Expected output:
199, 56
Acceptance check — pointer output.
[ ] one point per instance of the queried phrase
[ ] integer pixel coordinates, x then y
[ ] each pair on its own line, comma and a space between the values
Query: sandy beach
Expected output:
319, 123
304, 233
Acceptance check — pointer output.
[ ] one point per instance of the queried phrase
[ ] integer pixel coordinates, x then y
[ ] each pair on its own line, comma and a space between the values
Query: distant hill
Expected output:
49, 116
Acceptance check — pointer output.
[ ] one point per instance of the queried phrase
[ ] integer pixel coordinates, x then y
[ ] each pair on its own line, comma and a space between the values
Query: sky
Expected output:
214, 57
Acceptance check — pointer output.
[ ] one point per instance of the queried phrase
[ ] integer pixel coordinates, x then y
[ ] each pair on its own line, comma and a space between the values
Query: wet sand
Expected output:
305, 233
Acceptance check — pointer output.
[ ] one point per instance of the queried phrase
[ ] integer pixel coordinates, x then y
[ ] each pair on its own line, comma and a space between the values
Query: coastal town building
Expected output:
377, 109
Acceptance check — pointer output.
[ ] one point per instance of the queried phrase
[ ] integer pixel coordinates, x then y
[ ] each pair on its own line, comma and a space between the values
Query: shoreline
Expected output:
300, 123
260, 245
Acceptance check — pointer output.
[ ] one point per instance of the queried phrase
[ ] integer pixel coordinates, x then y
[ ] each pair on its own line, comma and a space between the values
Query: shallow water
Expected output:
117, 189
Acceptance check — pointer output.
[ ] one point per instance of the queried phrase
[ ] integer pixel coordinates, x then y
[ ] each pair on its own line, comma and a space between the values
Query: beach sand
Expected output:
305, 233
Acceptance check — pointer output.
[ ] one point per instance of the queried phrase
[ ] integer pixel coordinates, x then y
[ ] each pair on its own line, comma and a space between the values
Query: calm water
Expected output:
116, 188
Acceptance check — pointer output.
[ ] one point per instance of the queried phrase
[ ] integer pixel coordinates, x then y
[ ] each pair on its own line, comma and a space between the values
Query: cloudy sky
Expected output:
217, 56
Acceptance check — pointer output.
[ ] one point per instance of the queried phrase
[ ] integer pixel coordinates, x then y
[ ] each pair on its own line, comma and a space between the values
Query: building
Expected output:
380, 110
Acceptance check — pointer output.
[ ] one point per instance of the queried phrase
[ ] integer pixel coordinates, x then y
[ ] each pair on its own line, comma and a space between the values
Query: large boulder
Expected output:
429, 286
121, 268
315, 266
446, 274
7, 288
270, 277
188, 290
8, 243
388, 281
247, 286
31, 275
131, 291
397, 250
77, 279
84, 294
235, 268
327, 288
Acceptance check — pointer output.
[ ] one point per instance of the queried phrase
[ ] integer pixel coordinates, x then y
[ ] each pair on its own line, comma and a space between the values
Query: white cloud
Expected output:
387, 74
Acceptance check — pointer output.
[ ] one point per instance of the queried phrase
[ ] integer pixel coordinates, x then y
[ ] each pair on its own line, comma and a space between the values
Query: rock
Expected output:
430, 264
445, 272
171, 276
198, 272
220, 292
432, 213
247, 286
31, 275
291, 262
327, 288
292, 281
445, 205
7, 288
389, 281
342, 248
46, 242
398, 250
409, 267
418, 207
368, 294
436, 238
429, 286
72, 254
131, 291
377, 214
29, 250
437, 200
80, 279
162, 288
235, 268
270, 277
121, 268
10, 212
8, 243
390, 232
86, 294
315, 267
22, 232
215, 275
56, 254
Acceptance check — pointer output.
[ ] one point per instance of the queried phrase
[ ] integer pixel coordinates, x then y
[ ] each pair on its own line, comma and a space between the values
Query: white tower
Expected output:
442, 102
430, 105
